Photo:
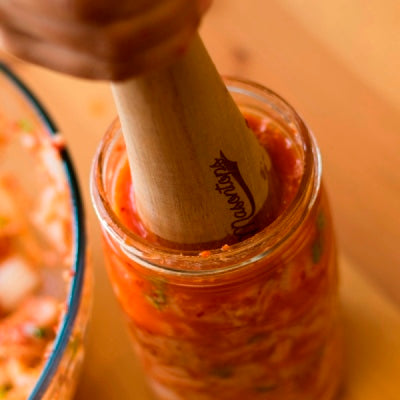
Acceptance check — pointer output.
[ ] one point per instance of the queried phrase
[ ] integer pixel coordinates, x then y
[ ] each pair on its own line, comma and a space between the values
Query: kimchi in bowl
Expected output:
44, 284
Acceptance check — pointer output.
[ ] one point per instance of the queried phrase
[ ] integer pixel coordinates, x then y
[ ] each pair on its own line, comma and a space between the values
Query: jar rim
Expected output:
218, 261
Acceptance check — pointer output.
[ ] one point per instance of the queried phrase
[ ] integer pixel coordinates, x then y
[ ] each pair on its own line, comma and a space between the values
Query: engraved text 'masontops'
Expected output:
229, 179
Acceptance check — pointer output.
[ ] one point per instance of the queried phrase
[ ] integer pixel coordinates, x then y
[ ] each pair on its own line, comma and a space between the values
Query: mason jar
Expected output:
254, 320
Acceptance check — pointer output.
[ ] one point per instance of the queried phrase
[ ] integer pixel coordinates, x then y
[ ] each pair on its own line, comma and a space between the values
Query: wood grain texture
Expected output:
357, 128
364, 35
372, 339
177, 123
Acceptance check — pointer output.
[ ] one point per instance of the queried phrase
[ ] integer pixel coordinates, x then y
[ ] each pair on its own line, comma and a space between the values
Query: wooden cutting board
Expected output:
372, 339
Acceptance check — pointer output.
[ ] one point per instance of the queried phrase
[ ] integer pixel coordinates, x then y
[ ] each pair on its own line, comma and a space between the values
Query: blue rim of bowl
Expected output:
78, 268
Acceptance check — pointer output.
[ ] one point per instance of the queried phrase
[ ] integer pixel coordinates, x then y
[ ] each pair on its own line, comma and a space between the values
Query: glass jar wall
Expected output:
255, 320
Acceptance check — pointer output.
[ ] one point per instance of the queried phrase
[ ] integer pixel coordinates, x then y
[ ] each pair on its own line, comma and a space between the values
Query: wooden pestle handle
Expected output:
199, 174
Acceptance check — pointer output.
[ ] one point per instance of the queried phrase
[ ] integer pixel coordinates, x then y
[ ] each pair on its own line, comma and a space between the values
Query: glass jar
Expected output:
255, 320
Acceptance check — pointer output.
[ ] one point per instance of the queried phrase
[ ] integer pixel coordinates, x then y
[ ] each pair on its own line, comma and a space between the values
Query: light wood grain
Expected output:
358, 131
372, 339
356, 127
364, 35
177, 122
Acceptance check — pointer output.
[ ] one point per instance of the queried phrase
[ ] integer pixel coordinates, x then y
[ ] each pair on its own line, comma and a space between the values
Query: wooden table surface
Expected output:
354, 113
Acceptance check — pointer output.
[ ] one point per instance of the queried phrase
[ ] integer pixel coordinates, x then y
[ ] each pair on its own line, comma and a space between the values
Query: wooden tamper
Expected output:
200, 177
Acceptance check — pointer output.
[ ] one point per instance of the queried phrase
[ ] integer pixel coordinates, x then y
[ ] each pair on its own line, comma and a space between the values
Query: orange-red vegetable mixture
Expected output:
269, 334
35, 250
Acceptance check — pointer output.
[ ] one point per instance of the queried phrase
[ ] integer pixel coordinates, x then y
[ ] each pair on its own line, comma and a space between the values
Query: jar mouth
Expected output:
191, 263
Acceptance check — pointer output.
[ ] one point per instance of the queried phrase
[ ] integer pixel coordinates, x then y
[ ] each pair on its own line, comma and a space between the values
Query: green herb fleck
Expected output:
25, 125
317, 250
39, 332
318, 245
157, 295
223, 371
320, 221
265, 388
4, 389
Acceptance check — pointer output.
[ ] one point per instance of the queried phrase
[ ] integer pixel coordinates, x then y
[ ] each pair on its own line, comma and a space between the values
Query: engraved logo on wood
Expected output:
229, 179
